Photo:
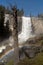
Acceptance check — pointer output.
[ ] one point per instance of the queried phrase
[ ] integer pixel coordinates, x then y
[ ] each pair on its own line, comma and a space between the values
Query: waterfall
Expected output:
26, 30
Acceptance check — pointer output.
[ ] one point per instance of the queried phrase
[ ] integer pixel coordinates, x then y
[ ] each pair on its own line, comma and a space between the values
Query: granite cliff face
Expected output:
31, 27
27, 26
38, 25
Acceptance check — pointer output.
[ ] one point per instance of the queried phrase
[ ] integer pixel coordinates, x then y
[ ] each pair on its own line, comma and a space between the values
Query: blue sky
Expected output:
30, 6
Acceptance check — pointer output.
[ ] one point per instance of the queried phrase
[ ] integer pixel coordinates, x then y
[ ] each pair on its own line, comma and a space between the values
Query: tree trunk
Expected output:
15, 36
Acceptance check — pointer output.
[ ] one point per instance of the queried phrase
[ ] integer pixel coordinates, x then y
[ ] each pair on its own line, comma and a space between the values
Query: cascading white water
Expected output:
26, 30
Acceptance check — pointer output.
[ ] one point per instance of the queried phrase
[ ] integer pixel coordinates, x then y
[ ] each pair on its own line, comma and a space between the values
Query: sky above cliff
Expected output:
30, 6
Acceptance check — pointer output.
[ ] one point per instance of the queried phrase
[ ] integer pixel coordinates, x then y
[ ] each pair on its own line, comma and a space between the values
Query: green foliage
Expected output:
20, 12
2, 10
4, 31
40, 16
38, 60
11, 62
1, 18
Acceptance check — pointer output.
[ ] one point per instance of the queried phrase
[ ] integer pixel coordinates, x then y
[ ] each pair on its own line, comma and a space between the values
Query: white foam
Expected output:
26, 29
1, 48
